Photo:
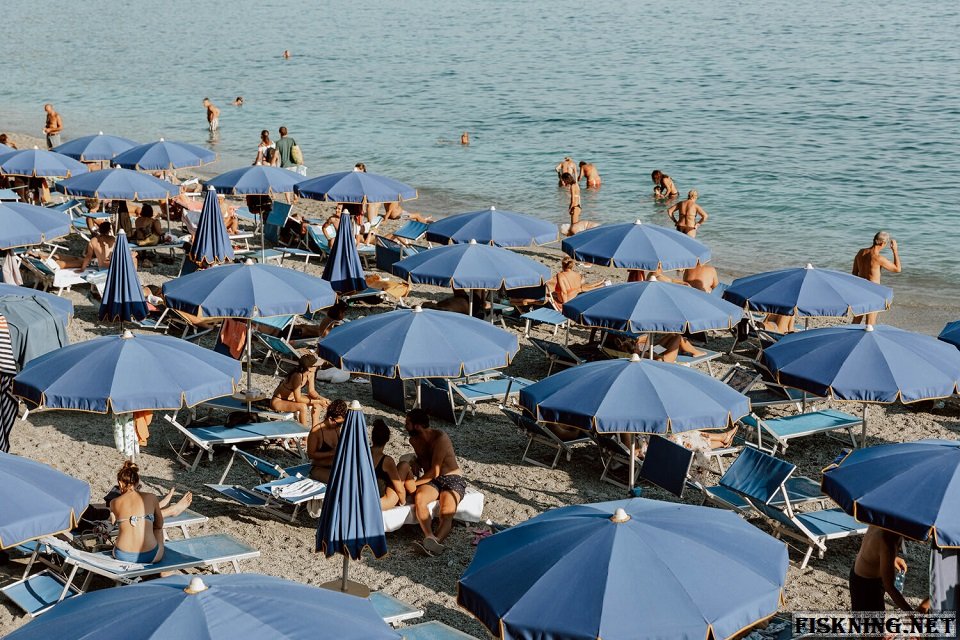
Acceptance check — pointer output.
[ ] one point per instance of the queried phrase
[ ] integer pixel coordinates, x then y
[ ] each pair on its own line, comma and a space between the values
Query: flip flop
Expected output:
422, 549
433, 547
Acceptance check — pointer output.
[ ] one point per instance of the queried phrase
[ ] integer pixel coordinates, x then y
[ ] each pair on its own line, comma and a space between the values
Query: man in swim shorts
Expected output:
868, 264
439, 478
690, 215
213, 114
874, 571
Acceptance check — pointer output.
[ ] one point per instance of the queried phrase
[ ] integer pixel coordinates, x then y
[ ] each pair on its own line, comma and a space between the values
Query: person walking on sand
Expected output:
213, 115
873, 574
567, 166
53, 126
285, 147
868, 264
690, 215
589, 173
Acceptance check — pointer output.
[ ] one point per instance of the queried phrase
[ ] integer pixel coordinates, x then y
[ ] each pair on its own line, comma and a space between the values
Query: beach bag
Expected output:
296, 154
151, 240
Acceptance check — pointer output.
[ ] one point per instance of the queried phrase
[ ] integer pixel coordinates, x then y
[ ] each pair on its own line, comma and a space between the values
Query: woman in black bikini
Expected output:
323, 439
395, 481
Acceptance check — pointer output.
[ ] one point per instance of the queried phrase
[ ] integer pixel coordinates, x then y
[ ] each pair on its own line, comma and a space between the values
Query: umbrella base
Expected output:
353, 588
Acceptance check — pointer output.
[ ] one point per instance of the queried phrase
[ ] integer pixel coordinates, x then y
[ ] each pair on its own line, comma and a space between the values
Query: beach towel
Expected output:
297, 489
34, 326
8, 403
11, 269
141, 425
233, 334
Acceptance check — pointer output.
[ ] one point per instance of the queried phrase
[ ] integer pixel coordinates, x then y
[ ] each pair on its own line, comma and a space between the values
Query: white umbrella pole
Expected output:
249, 393
633, 446
419, 382
470, 302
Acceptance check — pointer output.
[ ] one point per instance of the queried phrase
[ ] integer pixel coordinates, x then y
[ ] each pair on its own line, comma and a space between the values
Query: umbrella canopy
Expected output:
343, 269
214, 607
126, 373
39, 163
351, 519
255, 180
211, 243
866, 363
490, 226
576, 572
62, 307
951, 333
634, 395
95, 148
472, 266
163, 156
37, 500
123, 295
911, 488
661, 307
419, 343
22, 225
809, 292
355, 186
635, 245
110, 184
247, 290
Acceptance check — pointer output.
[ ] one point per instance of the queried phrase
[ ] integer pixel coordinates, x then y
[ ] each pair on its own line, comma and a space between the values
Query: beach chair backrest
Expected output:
667, 465
280, 323
758, 475
260, 465
275, 221
317, 240
387, 253
279, 345
411, 230
42, 266
528, 293
388, 391
436, 400
740, 379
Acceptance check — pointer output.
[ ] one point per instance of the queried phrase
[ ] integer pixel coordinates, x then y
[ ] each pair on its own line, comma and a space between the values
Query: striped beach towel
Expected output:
8, 369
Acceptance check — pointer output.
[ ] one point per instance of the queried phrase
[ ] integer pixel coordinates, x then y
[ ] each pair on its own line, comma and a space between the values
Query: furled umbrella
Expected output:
636, 245
493, 226
343, 269
356, 187
580, 572
211, 243
164, 155
351, 519
96, 148
951, 333
117, 184
39, 163
23, 225
122, 294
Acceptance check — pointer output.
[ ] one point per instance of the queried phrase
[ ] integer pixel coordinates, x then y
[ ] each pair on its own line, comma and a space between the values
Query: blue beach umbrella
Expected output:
62, 307
951, 333
164, 155
213, 607
123, 294
626, 570
351, 519
259, 180
636, 245
809, 292
39, 163
37, 500
355, 186
659, 307
96, 148
472, 266
117, 184
343, 269
23, 225
491, 226
211, 243
126, 373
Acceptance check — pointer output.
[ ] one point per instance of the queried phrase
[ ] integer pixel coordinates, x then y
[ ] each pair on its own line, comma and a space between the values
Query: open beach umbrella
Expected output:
809, 292
355, 186
256, 180
37, 500
211, 243
23, 225
39, 163
117, 184
62, 307
343, 269
581, 572
164, 155
351, 519
636, 245
491, 226
652, 306
472, 266
213, 607
96, 148
951, 333
910, 488
123, 294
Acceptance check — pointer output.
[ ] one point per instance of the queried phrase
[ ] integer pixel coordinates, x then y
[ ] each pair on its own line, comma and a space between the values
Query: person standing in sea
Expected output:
588, 171
566, 166
213, 115
53, 126
868, 264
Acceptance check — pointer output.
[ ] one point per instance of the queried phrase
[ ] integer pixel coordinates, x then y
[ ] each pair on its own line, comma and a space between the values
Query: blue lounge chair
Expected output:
265, 470
615, 454
278, 349
543, 315
463, 394
783, 430
540, 434
231, 404
389, 391
388, 252
761, 391
434, 630
666, 465
412, 230
268, 496
205, 439
707, 357
556, 353
275, 222
9, 195
393, 610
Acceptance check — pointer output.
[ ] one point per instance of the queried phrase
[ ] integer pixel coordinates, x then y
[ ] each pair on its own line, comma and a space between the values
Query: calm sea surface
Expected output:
805, 126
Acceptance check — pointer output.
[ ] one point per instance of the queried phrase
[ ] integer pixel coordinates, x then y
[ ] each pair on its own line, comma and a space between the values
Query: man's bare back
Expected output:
703, 277
869, 263
589, 172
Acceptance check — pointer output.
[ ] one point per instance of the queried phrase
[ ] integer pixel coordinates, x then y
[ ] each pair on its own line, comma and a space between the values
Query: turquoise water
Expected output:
806, 127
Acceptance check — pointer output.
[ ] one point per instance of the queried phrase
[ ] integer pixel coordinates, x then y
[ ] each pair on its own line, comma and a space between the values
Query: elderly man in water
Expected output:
868, 264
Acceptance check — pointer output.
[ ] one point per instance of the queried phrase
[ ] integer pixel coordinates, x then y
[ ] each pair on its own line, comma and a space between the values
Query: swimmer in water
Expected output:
465, 138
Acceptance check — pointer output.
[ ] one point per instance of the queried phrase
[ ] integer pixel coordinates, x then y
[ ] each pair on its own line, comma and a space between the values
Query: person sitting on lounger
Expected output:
229, 213
395, 481
568, 283
779, 323
323, 439
289, 395
673, 345
458, 302
101, 248
147, 231
139, 517
394, 211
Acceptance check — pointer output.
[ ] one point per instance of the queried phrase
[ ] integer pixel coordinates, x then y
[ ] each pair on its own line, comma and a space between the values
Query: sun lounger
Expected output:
470, 509
769, 394
265, 469
782, 430
277, 349
540, 434
392, 610
230, 404
433, 630
463, 394
292, 252
543, 315
9, 195
388, 252
615, 454
556, 353
684, 360
275, 496
184, 521
204, 439
667, 465
276, 220
52, 276
412, 230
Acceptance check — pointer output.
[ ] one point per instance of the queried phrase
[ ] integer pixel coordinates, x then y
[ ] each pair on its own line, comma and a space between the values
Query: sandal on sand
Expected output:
433, 546
480, 534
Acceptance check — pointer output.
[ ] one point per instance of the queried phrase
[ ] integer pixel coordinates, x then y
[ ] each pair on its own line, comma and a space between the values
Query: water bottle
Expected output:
898, 580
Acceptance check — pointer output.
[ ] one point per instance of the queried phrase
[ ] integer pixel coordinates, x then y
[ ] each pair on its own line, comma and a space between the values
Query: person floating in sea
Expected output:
53, 126
690, 215
213, 115
663, 187
566, 166
868, 263
589, 173
464, 138
238, 102
286, 54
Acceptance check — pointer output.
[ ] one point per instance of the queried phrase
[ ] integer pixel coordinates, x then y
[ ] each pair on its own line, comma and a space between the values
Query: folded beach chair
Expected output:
388, 252
781, 430
205, 439
276, 496
433, 630
464, 394
412, 230
616, 455
540, 434
556, 353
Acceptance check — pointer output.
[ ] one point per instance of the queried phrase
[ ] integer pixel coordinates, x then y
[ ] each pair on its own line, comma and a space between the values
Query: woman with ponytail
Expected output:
141, 522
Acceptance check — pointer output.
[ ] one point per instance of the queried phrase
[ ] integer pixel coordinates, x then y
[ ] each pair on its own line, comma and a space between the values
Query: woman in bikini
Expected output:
395, 481
323, 439
690, 215
140, 519
289, 395
663, 187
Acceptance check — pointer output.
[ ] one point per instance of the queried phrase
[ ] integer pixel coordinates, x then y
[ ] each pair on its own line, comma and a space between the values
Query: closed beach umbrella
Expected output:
37, 500
659, 307
492, 226
123, 294
351, 519
117, 184
809, 292
61, 307
472, 266
343, 269
213, 607
23, 225
211, 243
636, 245
625, 570
96, 148
260, 180
951, 333
355, 186
39, 163
164, 155
910, 488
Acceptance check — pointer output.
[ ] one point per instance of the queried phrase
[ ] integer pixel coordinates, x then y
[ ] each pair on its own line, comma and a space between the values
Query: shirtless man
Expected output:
589, 172
465, 138
439, 479
574, 209
690, 215
703, 277
101, 247
874, 571
53, 126
567, 166
869, 263
213, 115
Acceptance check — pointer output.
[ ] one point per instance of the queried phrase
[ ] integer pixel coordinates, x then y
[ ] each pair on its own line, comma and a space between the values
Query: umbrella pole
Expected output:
633, 447
470, 302
419, 381
249, 393
863, 428
346, 569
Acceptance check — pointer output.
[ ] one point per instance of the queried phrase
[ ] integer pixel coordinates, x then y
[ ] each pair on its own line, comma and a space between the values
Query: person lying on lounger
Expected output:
323, 439
394, 480
673, 344
289, 396
139, 517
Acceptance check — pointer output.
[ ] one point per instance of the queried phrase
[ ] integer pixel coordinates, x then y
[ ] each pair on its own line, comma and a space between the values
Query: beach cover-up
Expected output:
8, 403
125, 435
234, 336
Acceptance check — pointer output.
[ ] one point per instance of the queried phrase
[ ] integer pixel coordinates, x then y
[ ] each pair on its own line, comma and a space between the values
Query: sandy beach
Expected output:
489, 450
